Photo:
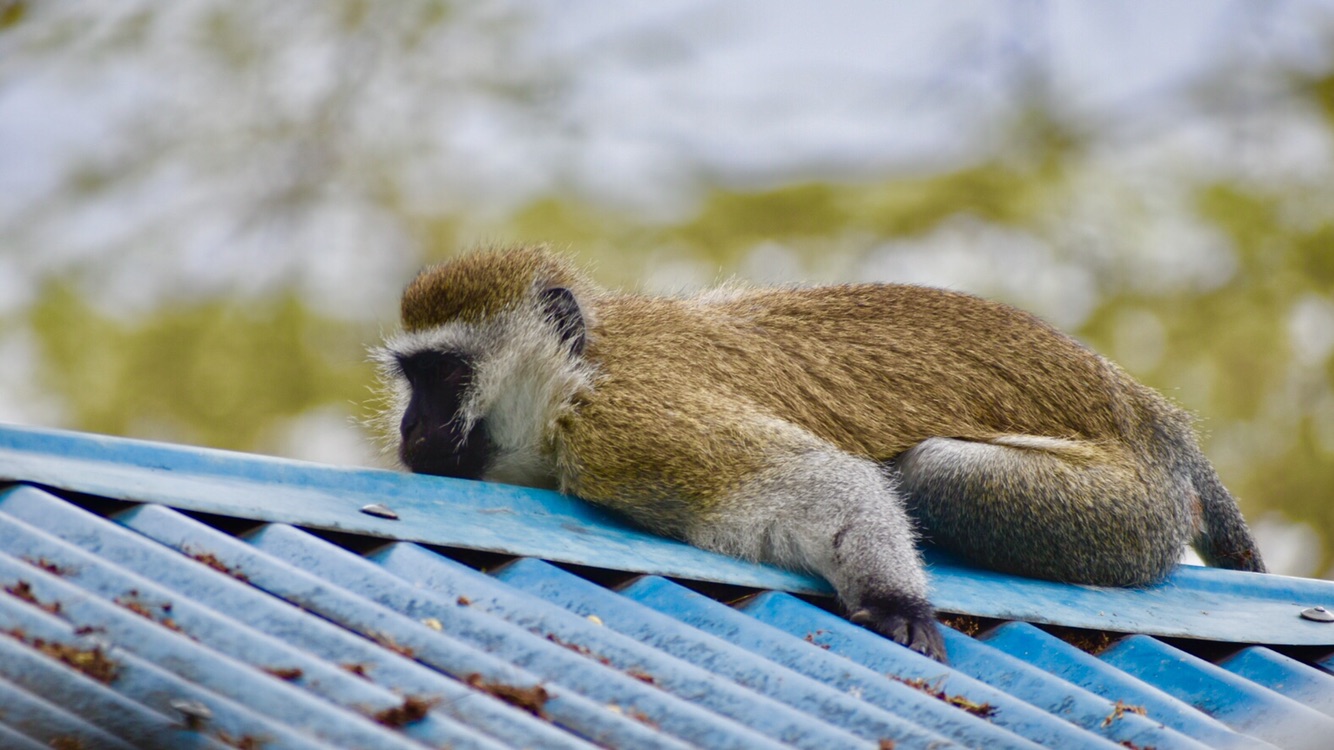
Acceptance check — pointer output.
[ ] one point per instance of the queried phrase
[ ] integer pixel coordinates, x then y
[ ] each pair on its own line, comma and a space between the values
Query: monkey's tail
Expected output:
1221, 536
1218, 532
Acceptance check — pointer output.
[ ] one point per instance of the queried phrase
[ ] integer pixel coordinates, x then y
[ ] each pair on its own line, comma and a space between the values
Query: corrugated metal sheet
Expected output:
131, 624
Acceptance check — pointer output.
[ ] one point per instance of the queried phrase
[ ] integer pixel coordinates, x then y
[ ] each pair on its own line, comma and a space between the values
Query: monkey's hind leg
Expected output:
1049, 508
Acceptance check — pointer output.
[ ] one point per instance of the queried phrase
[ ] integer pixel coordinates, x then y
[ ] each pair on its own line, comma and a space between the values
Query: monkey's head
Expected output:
490, 352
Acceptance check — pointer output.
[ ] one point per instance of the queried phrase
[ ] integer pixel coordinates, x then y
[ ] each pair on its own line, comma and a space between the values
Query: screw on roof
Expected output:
1318, 614
379, 511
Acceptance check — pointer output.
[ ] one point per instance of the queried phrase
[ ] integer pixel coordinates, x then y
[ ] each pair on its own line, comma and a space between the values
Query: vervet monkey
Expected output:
814, 428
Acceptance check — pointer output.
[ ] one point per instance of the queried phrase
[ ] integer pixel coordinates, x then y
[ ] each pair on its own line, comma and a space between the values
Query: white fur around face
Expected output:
524, 379
522, 388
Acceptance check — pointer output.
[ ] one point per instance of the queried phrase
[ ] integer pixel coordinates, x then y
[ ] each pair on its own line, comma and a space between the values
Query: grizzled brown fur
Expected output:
481, 285
799, 425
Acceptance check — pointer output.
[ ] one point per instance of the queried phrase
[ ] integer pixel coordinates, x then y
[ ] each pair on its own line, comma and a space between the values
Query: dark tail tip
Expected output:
1223, 540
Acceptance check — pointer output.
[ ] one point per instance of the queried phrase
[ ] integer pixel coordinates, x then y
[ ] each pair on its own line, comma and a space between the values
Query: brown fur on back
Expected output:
914, 363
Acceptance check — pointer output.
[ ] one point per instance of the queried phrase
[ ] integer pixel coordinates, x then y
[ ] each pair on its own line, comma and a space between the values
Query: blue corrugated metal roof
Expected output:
217, 622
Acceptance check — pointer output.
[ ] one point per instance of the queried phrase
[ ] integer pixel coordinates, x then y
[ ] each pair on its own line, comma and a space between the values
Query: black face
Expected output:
433, 437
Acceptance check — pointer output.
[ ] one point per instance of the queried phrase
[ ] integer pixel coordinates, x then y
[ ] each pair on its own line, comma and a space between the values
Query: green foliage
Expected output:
12, 12
731, 223
561, 222
1321, 88
808, 216
993, 192
219, 373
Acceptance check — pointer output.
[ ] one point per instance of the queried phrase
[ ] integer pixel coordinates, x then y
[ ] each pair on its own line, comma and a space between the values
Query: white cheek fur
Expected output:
523, 379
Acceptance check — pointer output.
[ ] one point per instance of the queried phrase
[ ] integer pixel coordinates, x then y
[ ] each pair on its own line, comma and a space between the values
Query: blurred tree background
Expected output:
207, 208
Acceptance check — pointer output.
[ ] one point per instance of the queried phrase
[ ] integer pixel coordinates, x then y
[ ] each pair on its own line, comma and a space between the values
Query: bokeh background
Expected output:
208, 207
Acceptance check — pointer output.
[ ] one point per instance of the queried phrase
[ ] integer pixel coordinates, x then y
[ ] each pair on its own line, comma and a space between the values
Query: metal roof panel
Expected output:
1311, 686
844, 676
125, 618
763, 676
979, 675
510, 659
1054, 656
1245, 706
322, 649
1193, 602
595, 636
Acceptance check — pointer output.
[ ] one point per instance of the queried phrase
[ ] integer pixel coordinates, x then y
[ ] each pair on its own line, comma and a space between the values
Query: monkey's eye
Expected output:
432, 368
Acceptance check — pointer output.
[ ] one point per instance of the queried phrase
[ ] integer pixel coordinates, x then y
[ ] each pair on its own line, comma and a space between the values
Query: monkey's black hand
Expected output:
909, 622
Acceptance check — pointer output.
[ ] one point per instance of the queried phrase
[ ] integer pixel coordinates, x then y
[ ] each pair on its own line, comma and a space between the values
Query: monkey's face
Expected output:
435, 438
491, 349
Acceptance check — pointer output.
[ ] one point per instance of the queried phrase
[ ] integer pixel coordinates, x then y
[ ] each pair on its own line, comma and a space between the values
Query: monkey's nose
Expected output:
410, 426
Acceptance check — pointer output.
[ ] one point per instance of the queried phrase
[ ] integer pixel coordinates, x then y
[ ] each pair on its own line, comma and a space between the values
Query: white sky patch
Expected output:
1139, 341
1009, 264
17, 286
327, 436
1311, 327
1322, 420
632, 105
1288, 548
22, 400
1142, 230
771, 263
675, 273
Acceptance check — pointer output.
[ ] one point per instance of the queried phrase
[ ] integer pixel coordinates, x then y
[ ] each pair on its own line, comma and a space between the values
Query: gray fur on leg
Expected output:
838, 515
1050, 508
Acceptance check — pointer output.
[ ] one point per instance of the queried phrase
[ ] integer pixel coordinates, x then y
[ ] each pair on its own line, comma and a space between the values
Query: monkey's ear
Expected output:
562, 309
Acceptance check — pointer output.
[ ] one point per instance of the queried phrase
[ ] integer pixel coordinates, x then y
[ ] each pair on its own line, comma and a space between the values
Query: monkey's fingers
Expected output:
913, 628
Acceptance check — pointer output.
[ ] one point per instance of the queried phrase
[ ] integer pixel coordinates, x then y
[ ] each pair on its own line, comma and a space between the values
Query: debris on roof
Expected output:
167, 597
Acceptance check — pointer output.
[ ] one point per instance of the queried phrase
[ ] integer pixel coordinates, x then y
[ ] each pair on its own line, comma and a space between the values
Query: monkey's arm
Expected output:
838, 515
766, 490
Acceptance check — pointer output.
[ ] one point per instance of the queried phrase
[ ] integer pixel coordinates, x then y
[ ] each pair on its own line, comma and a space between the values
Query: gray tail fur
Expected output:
1222, 538
1219, 533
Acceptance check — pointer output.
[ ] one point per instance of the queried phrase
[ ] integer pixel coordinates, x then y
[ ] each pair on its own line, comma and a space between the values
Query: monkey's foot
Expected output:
908, 622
